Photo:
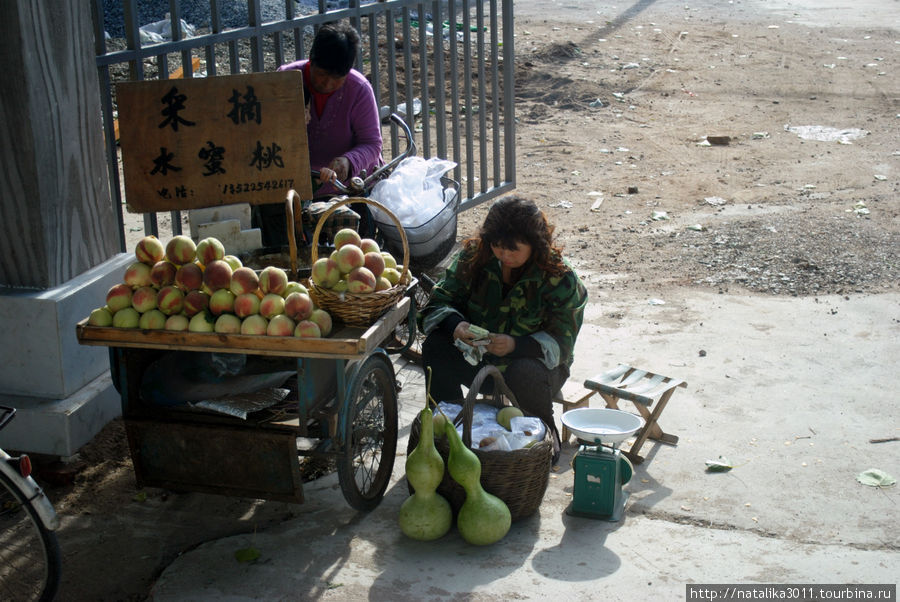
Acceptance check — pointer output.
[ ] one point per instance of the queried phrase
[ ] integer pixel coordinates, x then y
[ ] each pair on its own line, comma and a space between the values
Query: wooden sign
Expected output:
202, 142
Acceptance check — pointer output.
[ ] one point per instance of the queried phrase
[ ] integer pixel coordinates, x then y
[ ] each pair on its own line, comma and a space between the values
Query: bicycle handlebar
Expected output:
359, 186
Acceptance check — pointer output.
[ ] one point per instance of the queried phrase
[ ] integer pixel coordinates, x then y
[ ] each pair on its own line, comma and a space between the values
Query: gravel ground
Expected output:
196, 12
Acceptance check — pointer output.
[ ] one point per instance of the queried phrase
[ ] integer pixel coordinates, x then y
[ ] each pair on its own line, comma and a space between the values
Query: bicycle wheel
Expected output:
29, 552
401, 334
370, 434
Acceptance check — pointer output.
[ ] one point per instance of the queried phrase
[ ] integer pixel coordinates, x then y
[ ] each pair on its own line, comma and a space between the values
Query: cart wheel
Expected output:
370, 434
401, 334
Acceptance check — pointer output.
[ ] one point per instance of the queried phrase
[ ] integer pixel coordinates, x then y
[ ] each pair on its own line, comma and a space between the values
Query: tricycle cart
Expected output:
346, 408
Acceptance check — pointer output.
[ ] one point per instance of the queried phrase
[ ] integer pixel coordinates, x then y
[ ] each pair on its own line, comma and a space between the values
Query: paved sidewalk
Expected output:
789, 390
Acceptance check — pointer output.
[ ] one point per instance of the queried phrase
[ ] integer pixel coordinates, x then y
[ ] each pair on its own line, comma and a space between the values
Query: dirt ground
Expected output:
657, 142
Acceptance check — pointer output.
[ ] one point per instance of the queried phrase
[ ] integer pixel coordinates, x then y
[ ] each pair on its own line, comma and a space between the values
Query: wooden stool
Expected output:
643, 389
572, 395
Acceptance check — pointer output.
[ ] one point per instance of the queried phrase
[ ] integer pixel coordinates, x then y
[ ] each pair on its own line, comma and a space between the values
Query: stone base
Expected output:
60, 427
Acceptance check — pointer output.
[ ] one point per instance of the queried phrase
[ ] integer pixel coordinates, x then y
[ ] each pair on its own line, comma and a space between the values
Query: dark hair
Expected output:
512, 220
334, 48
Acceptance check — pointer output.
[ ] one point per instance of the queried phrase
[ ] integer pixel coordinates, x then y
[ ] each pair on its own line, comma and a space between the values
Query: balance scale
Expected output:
600, 468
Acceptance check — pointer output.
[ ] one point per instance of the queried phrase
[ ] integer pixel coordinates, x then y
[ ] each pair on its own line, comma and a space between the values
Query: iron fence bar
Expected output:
509, 107
440, 120
482, 98
496, 94
423, 80
254, 16
391, 68
454, 90
408, 68
467, 92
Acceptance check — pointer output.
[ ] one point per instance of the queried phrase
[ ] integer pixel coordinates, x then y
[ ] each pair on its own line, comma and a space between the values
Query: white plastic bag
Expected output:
413, 192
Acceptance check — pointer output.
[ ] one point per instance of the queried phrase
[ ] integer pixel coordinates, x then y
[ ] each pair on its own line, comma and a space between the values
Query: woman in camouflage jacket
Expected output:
511, 280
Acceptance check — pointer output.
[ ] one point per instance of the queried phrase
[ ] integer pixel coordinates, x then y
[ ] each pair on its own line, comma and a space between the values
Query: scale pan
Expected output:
602, 425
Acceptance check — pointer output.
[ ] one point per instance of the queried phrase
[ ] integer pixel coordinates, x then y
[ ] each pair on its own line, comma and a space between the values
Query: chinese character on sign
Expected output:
266, 157
245, 108
174, 103
162, 164
212, 156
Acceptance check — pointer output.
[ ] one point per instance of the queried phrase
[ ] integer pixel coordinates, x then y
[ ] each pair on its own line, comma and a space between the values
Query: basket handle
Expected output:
501, 389
346, 201
293, 213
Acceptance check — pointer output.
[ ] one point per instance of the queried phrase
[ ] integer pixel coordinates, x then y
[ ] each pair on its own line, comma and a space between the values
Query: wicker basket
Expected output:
518, 477
358, 309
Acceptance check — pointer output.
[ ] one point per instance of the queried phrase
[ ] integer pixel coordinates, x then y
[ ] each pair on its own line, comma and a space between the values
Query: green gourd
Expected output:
426, 514
483, 518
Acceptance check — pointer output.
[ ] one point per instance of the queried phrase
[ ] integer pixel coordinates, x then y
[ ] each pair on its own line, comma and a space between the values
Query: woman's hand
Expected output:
341, 168
326, 175
462, 333
500, 345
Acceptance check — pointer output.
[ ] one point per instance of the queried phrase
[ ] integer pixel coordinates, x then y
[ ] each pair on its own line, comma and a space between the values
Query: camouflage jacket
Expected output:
548, 308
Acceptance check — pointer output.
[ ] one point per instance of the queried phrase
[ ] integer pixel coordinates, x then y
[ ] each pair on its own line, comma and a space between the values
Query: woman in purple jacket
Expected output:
343, 128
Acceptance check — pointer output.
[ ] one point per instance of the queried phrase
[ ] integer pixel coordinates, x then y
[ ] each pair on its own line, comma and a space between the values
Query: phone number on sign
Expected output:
259, 186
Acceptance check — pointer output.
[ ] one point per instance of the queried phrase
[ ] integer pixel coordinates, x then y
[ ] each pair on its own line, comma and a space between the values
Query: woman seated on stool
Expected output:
513, 281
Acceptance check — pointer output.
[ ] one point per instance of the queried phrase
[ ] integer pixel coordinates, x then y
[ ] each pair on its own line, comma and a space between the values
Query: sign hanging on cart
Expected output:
202, 142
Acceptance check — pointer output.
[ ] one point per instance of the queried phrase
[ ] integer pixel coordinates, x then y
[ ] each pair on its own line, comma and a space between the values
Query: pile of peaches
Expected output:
357, 265
196, 287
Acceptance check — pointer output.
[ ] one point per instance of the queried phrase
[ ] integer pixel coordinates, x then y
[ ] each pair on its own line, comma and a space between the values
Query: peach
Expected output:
181, 250
383, 284
325, 272
118, 297
194, 302
298, 306
369, 245
210, 249
233, 261
244, 280
202, 322
246, 305
170, 300
340, 286
177, 322
221, 302
149, 250
100, 317
307, 329
255, 324
272, 280
389, 261
228, 324
152, 320
189, 277
144, 299
137, 274
271, 305
127, 317
323, 319
361, 280
280, 326
374, 262
350, 257
294, 287
346, 236
392, 275
162, 273
217, 275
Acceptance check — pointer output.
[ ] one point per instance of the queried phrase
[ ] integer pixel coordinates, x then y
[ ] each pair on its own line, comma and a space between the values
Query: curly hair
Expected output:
512, 220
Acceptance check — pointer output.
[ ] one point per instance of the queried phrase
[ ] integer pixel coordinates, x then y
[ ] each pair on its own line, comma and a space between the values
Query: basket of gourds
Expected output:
519, 477
352, 307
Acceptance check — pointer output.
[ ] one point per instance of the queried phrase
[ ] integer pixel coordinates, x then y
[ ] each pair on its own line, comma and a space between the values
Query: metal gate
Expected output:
450, 61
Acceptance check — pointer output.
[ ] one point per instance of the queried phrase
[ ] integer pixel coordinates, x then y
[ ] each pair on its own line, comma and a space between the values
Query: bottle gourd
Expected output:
483, 518
426, 514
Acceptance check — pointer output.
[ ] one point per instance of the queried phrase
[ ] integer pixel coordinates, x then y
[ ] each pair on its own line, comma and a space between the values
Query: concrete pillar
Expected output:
58, 228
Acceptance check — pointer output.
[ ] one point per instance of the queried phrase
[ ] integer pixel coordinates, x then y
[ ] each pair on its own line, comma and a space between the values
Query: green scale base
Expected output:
600, 473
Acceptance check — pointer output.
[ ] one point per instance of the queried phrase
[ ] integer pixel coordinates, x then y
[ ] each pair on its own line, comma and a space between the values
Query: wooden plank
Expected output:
346, 342
203, 142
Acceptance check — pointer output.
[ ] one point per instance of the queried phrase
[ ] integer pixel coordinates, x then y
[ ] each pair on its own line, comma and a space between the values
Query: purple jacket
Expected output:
349, 127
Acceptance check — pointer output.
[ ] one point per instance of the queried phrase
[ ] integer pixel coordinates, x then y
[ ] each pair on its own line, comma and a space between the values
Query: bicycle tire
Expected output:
370, 434
30, 563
